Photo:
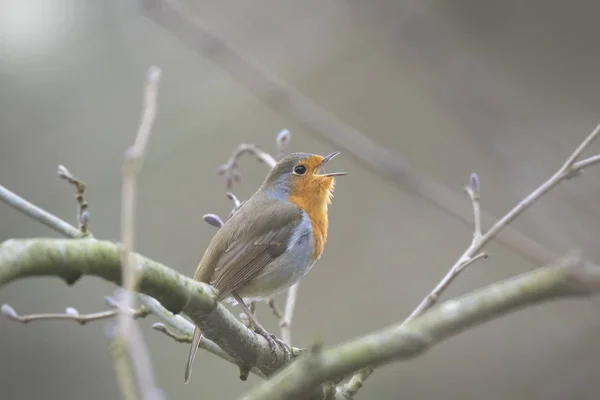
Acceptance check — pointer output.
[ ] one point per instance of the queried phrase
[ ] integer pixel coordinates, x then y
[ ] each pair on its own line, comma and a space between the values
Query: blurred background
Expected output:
416, 95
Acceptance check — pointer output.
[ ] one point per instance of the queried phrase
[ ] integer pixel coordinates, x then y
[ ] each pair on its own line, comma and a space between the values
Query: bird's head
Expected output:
302, 175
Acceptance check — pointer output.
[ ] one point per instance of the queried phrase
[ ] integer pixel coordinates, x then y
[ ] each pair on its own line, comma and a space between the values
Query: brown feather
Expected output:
246, 244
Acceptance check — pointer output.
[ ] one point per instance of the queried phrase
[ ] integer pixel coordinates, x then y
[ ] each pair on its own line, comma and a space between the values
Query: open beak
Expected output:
326, 159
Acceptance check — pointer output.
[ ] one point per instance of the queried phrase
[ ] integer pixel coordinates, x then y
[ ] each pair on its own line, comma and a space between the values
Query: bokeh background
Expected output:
430, 91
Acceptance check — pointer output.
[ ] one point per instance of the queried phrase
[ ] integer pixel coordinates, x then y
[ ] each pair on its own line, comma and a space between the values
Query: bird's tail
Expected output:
193, 350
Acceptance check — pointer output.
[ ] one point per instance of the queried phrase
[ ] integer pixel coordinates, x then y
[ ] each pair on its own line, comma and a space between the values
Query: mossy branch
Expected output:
408, 340
72, 259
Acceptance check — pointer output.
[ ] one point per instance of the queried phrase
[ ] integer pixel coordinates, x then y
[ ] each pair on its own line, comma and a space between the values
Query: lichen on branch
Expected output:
569, 278
71, 259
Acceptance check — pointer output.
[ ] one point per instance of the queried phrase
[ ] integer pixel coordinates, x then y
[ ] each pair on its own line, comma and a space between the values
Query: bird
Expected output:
271, 241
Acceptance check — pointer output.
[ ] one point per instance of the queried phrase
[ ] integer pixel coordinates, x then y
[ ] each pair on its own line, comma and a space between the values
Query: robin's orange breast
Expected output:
316, 209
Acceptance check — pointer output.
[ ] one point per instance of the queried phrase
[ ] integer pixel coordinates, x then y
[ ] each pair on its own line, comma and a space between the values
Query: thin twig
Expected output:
204, 344
474, 251
83, 215
231, 170
180, 338
38, 214
282, 140
472, 260
579, 150
568, 168
285, 317
581, 165
129, 332
473, 190
288, 314
182, 330
70, 314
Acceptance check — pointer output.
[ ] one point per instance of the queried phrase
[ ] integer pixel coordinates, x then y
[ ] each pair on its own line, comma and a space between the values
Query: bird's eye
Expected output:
299, 169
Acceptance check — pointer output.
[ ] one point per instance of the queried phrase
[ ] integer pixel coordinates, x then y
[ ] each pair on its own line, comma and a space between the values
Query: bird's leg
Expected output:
247, 321
272, 339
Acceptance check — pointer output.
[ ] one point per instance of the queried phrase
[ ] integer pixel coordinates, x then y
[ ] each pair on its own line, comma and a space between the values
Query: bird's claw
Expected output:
287, 353
273, 342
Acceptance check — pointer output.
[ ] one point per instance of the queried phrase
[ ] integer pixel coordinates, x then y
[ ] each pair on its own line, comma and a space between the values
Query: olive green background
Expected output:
507, 89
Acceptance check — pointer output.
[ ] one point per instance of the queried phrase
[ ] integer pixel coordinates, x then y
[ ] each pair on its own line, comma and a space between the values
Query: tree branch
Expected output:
571, 278
71, 259
415, 335
38, 214
70, 314
183, 327
568, 169
474, 252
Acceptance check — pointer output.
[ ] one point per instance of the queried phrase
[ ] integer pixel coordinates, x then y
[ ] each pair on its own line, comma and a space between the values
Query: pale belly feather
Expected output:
284, 271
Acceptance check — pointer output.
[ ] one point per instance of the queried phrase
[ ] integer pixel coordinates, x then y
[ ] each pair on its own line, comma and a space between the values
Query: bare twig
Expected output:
285, 317
472, 260
180, 338
83, 215
288, 314
204, 344
474, 251
129, 332
569, 167
38, 214
282, 140
182, 330
473, 190
581, 165
231, 170
70, 314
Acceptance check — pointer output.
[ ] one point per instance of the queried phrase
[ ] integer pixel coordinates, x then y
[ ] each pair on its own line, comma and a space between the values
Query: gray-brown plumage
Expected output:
268, 243
245, 244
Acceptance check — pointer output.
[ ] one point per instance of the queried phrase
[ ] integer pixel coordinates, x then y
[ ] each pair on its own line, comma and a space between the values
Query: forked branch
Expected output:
408, 340
474, 251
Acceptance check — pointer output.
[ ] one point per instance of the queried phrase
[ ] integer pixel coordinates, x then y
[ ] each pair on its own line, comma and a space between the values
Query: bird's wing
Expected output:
261, 237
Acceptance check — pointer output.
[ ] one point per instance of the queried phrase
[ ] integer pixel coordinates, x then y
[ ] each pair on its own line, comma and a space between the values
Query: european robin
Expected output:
271, 241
